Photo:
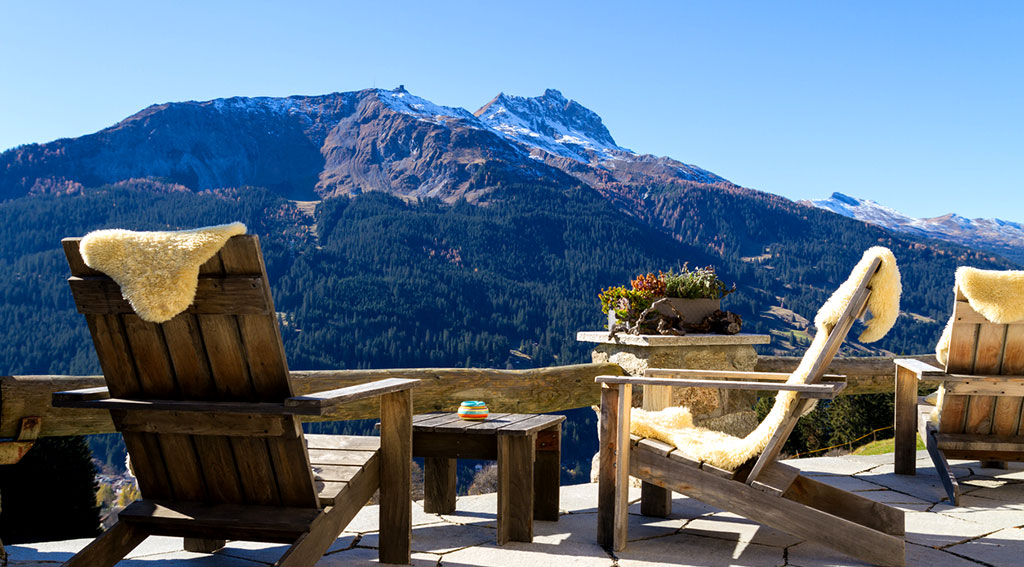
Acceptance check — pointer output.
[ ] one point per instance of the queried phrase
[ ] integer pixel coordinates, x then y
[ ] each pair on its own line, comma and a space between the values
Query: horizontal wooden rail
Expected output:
441, 389
864, 374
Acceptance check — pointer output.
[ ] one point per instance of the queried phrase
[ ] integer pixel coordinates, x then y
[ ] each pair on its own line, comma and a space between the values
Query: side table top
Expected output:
692, 339
495, 424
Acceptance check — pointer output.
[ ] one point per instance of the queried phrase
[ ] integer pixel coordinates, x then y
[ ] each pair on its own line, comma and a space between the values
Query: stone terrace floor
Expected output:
987, 529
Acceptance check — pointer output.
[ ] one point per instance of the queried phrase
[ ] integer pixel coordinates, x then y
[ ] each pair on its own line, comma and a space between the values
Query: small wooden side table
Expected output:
527, 448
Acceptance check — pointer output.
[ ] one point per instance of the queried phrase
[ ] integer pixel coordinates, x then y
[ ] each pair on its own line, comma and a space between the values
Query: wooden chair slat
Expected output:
219, 294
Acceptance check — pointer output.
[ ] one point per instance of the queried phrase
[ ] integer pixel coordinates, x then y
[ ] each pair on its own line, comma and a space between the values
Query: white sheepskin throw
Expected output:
158, 271
996, 295
675, 425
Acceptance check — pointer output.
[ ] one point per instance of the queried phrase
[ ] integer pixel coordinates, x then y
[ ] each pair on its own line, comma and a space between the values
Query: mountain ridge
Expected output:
995, 235
308, 147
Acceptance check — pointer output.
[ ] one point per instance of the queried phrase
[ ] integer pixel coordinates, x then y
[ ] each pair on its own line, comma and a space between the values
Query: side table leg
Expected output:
547, 474
439, 485
515, 487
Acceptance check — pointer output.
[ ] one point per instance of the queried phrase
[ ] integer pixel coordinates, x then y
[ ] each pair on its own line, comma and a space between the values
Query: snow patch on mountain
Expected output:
554, 124
401, 100
997, 235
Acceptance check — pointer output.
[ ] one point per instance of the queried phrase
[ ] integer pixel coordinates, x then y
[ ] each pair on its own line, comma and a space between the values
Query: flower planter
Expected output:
693, 311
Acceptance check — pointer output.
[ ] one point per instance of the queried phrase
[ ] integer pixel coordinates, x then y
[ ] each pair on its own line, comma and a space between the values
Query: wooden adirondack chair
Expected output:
765, 491
981, 406
208, 415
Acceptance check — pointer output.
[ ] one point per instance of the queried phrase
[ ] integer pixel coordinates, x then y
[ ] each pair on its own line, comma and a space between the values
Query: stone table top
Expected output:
692, 339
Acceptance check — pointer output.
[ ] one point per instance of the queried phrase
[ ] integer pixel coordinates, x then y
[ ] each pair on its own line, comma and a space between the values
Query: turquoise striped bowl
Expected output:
474, 411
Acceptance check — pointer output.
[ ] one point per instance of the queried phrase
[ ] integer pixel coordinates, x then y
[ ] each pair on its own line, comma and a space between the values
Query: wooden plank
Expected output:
336, 473
981, 385
988, 359
823, 391
905, 422
919, 367
945, 473
965, 314
777, 479
429, 444
268, 371
529, 426
109, 548
962, 347
157, 516
331, 398
191, 423
350, 442
487, 426
847, 505
607, 427
324, 530
981, 443
452, 419
515, 488
396, 477
230, 376
194, 381
656, 501
253, 408
621, 521
155, 374
796, 518
100, 295
526, 391
742, 374
438, 484
547, 471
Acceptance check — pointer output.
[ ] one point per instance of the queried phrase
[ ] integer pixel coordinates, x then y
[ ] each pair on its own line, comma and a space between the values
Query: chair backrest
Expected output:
853, 310
225, 348
982, 348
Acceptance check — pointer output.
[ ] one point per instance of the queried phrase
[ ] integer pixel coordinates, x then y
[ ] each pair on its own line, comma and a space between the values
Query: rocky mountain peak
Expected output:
551, 123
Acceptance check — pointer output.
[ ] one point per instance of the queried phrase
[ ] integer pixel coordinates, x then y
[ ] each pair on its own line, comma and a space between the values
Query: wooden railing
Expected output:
522, 391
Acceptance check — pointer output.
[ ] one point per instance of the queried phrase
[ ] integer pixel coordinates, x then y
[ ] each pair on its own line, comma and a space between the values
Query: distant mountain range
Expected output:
529, 198
998, 236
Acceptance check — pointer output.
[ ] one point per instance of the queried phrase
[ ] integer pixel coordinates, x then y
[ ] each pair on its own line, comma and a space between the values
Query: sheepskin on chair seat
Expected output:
158, 271
675, 425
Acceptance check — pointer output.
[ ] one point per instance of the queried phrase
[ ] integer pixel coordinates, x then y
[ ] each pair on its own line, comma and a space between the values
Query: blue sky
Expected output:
918, 105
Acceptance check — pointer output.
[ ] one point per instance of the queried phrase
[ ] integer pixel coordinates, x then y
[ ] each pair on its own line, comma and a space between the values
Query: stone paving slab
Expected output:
986, 530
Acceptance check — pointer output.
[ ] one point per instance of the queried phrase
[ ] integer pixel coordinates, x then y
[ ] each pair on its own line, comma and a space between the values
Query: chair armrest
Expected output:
920, 369
83, 395
821, 391
323, 401
744, 375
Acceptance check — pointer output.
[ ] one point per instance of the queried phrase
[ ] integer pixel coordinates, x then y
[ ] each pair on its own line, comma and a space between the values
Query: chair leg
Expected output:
655, 501
109, 548
905, 422
396, 477
946, 475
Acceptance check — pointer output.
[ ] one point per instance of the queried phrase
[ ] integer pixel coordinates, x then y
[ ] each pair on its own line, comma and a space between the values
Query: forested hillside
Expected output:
376, 281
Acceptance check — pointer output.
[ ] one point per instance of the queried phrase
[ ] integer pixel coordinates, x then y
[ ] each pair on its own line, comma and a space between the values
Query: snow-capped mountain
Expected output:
1000, 236
306, 147
552, 123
